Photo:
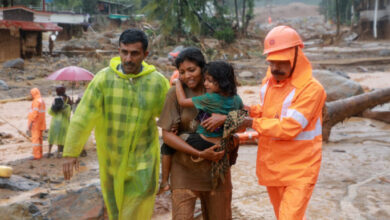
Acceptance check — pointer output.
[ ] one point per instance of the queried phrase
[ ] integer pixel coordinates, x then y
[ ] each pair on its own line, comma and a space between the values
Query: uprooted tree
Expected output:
337, 111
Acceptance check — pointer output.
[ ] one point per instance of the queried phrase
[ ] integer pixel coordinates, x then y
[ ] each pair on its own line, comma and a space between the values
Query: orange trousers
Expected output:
37, 142
290, 202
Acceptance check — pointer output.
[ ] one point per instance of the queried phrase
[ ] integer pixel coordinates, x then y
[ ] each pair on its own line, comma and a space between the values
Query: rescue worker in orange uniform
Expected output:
37, 122
289, 122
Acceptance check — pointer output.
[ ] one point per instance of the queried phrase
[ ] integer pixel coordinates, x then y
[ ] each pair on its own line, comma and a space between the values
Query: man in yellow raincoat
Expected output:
37, 122
122, 103
289, 122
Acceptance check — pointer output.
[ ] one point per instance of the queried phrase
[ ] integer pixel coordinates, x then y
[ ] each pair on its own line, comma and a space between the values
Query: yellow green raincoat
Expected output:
123, 108
59, 125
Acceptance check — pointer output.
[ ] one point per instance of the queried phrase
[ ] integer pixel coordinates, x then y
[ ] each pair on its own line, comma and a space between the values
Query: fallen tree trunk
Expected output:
337, 111
26, 98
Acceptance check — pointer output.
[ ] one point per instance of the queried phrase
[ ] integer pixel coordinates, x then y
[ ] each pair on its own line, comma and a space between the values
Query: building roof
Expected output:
23, 8
29, 25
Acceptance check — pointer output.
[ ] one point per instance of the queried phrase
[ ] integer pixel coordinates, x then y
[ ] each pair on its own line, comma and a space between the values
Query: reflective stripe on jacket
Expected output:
289, 123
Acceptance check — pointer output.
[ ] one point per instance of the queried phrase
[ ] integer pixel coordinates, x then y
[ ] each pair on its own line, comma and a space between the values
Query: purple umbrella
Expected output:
71, 73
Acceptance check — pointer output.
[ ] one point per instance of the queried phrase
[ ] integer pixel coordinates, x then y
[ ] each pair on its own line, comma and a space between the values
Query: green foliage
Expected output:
200, 17
329, 9
89, 6
226, 34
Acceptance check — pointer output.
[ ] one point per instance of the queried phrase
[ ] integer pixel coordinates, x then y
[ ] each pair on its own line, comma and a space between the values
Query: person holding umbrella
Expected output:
122, 103
60, 112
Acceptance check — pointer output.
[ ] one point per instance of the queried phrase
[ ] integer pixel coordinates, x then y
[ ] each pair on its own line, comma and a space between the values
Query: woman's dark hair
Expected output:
58, 104
223, 74
134, 35
192, 54
60, 90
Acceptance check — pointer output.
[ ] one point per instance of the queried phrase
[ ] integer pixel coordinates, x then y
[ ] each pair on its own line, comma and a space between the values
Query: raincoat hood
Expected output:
303, 70
117, 61
35, 93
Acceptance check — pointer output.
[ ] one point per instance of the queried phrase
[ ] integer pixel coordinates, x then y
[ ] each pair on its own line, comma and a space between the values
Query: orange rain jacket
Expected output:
289, 123
37, 112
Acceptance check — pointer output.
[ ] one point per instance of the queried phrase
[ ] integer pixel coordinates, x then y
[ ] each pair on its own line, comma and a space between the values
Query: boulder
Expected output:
17, 183
86, 203
20, 211
337, 86
16, 63
3, 85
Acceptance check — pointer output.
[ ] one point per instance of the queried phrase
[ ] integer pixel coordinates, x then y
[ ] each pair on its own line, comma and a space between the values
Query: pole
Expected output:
43, 5
375, 19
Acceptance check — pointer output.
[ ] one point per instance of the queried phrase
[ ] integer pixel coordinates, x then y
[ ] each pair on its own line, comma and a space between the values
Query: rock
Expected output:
336, 86
384, 53
20, 211
18, 78
74, 205
3, 85
351, 37
16, 63
17, 183
362, 69
343, 74
246, 74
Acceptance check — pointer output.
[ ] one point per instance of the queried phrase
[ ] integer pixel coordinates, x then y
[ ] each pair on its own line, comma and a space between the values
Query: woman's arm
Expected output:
181, 96
179, 144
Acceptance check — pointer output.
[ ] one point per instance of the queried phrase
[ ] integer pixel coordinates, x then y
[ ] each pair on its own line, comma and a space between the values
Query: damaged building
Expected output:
374, 19
20, 36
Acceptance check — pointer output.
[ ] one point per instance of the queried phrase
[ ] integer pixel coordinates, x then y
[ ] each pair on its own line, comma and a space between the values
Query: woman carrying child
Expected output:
190, 178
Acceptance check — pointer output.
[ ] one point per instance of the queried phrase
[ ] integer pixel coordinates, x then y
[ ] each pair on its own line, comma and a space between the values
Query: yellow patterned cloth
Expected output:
123, 109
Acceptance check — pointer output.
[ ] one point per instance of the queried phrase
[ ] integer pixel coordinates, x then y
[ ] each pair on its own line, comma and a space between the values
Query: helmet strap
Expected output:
295, 60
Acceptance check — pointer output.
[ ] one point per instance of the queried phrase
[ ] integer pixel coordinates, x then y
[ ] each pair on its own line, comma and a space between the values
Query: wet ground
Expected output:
354, 181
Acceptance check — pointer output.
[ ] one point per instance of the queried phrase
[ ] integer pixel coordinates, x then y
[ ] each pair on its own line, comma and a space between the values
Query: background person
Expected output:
37, 122
60, 112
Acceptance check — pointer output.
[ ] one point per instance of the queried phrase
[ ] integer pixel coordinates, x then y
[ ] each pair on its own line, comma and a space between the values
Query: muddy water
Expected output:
354, 181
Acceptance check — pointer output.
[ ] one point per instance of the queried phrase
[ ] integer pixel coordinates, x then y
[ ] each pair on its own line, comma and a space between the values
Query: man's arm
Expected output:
298, 115
81, 125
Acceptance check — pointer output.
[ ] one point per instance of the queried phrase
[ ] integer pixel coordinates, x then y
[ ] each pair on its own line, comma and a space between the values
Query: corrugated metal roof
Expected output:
29, 26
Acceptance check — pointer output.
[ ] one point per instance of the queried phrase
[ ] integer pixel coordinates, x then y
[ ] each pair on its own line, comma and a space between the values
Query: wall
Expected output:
18, 14
10, 46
